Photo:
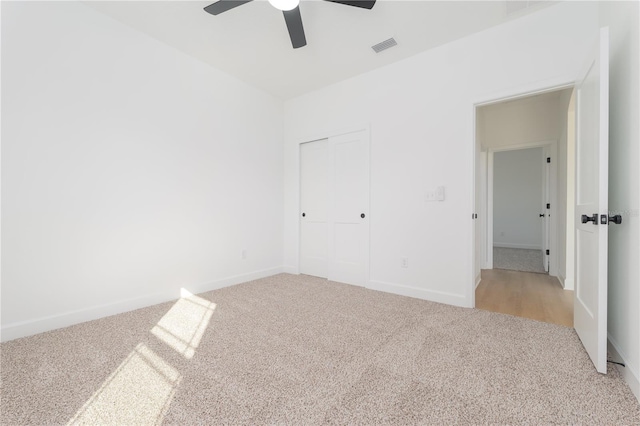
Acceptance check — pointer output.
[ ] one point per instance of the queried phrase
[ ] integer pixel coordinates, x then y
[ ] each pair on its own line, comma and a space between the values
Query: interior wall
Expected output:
518, 198
421, 116
522, 121
624, 183
129, 170
566, 185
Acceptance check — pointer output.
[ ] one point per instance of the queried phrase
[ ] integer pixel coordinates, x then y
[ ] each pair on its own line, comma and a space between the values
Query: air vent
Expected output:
384, 45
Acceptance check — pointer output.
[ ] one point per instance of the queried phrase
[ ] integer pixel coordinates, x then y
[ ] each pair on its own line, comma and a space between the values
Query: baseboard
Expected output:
290, 270
516, 246
236, 279
478, 279
564, 282
568, 284
420, 293
20, 329
629, 372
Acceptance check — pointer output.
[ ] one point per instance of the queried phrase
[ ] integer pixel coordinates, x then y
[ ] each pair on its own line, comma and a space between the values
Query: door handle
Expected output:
304, 214
593, 218
362, 215
541, 214
617, 219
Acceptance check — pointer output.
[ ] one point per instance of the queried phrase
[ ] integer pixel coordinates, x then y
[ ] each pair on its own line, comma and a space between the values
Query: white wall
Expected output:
518, 198
129, 170
566, 192
624, 183
421, 117
522, 121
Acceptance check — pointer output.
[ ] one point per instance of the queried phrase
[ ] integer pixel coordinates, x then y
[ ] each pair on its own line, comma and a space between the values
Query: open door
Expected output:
592, 156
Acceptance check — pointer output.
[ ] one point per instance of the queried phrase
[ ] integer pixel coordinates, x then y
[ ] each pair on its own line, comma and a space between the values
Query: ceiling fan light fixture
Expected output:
285, 4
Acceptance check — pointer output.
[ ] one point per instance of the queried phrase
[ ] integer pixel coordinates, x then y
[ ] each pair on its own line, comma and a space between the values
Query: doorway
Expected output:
523, 194
521, 211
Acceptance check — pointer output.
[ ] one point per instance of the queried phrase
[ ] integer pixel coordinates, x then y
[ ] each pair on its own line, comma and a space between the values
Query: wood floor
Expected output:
524, 294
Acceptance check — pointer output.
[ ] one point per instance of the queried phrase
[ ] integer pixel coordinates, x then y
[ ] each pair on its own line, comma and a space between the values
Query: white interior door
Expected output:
314, 178
590, 300
349, 208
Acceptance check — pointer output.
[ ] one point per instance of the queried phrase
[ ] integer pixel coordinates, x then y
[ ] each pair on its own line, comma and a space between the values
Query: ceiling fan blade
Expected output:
224, 5
294, 25
365, 4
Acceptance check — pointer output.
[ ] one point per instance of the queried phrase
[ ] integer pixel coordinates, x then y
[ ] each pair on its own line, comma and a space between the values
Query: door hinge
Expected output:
548, 160
548, 205
547, 252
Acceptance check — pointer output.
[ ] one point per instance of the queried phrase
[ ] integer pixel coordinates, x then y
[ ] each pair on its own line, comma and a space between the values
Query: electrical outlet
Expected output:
244, 253
404, 262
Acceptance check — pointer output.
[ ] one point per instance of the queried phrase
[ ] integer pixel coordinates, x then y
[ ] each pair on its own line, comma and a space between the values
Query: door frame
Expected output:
327, 134
550, 148
524, 91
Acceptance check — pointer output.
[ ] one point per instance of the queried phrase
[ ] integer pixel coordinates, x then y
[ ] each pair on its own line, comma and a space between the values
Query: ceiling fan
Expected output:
291, 11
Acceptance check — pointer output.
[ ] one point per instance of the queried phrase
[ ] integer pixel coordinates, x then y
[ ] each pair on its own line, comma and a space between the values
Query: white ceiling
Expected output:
251, 41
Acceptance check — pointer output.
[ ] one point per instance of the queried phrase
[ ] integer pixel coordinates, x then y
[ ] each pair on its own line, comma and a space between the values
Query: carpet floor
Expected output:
524, 260
300, 350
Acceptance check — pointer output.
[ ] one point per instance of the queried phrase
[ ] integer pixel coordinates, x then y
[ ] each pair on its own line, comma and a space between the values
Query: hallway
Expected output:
523, 294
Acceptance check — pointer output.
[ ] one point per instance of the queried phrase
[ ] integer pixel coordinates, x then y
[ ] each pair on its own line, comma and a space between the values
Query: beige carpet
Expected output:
301, 350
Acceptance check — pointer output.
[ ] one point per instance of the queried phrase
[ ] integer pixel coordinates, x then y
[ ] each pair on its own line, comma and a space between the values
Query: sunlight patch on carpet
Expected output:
183, 326
138, 392
142, 387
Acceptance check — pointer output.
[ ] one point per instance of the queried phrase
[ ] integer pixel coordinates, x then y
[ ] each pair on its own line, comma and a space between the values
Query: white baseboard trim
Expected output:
560, 280
236, 279
568, 284
290, 270
420, 293
516, 246
629, 372
478, 279
20, 329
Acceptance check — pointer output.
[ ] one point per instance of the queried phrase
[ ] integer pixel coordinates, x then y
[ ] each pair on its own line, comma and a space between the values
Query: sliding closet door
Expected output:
349, 208
314, 191
334, 208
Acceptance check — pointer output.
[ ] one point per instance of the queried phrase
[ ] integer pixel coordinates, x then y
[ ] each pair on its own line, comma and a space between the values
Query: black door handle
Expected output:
304, 214
541, 214
593, 218
362, 215
617, 219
